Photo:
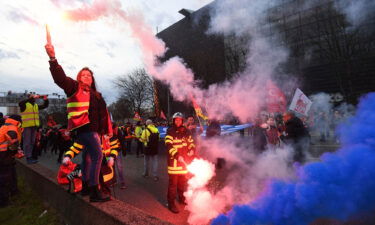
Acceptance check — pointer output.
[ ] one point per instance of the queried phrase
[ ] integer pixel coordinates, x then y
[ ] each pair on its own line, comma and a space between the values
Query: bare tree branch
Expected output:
136, 88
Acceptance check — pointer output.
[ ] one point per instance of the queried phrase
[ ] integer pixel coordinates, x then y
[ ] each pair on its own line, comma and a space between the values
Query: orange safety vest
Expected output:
78, 109
30, 117
5, 140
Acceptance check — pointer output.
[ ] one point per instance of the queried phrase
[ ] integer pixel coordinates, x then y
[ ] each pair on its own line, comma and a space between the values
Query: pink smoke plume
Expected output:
241, 98
198, 197
249, 175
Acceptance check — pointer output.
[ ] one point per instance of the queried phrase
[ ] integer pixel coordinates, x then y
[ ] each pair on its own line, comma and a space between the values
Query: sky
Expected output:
105, 46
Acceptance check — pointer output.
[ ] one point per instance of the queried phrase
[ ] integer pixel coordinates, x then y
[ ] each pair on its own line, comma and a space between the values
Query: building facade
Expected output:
326, 54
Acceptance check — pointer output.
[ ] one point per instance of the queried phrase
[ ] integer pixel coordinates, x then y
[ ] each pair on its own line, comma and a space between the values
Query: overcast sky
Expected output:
105, 45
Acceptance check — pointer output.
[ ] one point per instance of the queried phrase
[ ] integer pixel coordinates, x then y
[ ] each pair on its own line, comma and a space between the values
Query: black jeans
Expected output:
128, 146
139, 147
63, 147
178, 182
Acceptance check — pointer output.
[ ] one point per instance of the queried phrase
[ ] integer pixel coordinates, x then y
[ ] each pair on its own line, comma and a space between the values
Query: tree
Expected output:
341, 44
120, 109
136, 91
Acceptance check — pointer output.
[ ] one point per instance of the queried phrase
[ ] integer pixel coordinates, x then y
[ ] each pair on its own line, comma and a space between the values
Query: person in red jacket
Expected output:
87, 116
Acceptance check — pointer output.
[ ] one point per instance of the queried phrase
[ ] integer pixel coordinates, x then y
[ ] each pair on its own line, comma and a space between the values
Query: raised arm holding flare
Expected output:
87, 116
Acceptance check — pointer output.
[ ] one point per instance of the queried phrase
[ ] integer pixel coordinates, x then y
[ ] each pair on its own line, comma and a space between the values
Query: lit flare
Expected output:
49, 42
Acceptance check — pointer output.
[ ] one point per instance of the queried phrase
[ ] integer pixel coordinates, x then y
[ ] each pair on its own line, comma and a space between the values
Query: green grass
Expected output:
26, 208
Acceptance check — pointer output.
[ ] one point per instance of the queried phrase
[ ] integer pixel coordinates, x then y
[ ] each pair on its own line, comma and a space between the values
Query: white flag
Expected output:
300, 103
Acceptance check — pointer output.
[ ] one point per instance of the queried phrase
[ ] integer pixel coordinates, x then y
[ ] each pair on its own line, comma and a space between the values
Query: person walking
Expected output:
30, 123
181, 151
150, 138
87, 116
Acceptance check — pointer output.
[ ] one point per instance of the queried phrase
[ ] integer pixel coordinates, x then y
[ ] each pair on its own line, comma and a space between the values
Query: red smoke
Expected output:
240, 98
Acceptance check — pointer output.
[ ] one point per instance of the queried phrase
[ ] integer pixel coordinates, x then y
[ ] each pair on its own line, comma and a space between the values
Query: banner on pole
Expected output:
198, 109
300, 103
276, 100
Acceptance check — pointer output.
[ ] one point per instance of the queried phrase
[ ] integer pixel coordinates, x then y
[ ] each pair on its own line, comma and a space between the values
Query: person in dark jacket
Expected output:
296, 135
64, 142
213, 129
128, 132
259, 136
116, 145
88, 117
2, 120
192, 127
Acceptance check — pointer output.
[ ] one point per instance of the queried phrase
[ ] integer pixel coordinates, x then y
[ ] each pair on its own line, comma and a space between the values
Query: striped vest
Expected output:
30, 117
10, 125
78, 109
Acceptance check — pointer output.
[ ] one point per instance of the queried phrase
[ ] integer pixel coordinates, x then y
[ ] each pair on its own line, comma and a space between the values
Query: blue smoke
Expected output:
340, 186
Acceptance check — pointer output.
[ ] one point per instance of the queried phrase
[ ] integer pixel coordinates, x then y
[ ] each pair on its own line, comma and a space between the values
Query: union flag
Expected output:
276, 100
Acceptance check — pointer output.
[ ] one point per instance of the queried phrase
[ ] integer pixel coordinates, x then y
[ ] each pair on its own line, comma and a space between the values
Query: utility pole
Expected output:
169, 109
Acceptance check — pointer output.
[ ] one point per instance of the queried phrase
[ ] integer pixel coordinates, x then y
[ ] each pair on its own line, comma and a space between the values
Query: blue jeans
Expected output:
118, 168
154, 162
92, 157
28, 137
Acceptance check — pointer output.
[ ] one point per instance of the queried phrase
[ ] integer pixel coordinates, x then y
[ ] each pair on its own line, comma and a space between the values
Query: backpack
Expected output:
153, 142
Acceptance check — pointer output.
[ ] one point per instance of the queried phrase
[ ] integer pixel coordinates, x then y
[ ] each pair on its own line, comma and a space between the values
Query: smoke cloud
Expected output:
278, 192
357, 11
340, 186
245, 176
228, 99
324, 116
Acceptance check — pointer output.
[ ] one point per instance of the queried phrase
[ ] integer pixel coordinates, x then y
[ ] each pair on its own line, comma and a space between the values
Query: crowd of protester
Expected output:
102, 144
269, 131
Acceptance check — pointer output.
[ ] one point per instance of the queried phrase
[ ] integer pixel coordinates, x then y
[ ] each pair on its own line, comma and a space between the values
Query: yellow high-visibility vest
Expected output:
30, 117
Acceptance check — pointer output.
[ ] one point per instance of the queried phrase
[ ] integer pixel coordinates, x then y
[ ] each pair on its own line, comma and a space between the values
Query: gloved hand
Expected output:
190, 153
181, 159
110, 161
19, 154
66, 160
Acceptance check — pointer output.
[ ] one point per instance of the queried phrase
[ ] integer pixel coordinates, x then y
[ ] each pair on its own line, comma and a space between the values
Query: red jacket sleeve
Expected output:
66, 83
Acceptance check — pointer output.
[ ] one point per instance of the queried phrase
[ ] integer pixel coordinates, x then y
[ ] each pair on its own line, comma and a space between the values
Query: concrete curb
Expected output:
75, 209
